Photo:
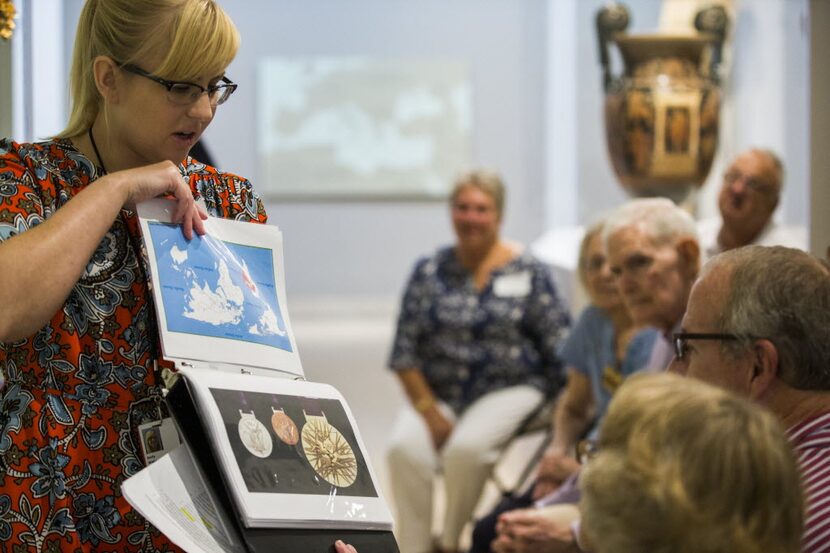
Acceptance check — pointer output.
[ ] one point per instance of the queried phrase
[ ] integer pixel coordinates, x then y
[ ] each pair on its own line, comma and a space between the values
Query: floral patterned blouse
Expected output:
77, 390
468, 342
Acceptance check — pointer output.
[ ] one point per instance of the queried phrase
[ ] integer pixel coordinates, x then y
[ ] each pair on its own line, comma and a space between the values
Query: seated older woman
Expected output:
685, 467
475, 351
603, 349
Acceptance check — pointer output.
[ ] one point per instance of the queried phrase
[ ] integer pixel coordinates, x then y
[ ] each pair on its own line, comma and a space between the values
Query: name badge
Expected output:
516, 285
158, 438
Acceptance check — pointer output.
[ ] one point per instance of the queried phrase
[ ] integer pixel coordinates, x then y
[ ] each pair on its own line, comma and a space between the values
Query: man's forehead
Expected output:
751, 159
755, 164
630, 240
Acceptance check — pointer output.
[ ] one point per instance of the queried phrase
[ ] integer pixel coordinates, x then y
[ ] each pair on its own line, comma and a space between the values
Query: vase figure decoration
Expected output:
661, 113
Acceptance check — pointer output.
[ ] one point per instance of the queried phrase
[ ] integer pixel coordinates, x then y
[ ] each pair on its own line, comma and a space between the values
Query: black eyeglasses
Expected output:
184, 93
680, 339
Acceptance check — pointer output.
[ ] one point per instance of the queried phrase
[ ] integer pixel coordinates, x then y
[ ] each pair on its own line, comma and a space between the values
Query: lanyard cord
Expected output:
143, 274
130, 239
97, 153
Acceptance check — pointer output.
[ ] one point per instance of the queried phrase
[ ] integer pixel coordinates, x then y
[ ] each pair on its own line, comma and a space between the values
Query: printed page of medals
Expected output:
291, 451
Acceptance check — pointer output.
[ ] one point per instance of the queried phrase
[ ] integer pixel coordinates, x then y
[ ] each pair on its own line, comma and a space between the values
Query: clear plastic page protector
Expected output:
290, 451
219, 298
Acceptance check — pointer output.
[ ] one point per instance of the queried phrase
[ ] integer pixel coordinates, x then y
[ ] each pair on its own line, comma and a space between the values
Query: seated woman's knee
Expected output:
461, 454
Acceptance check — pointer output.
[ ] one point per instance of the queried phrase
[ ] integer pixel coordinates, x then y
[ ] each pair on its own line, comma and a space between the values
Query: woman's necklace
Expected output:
97, 153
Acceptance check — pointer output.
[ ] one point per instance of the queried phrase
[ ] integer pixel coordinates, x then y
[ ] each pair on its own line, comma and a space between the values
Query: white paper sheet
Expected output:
316, 476
219, 298
171, 494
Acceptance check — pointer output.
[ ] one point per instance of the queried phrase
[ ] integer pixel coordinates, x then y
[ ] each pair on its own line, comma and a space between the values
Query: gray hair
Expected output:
783, 295
660, 218
489, 182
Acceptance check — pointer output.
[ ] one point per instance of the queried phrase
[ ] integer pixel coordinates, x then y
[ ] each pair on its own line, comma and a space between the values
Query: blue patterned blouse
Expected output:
467, 342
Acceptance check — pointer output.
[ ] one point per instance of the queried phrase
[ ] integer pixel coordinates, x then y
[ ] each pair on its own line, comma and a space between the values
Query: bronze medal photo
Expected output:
284, 427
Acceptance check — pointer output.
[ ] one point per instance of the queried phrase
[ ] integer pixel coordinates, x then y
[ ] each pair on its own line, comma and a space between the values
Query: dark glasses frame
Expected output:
679, 340
227, 87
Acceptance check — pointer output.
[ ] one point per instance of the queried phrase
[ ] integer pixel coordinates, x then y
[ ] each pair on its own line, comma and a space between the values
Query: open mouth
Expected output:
187, 136
737, 203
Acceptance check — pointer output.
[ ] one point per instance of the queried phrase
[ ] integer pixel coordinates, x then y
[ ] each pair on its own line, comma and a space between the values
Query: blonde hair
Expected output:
203, 41
684, 467
485, 180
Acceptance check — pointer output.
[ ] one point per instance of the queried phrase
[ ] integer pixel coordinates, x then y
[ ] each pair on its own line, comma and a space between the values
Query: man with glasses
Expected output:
747, 200
758, 324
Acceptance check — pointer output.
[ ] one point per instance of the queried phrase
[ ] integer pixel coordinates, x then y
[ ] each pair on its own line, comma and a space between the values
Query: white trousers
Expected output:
466, 460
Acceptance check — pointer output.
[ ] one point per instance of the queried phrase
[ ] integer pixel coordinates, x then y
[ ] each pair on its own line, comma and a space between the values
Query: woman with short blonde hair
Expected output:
486, 180
476, 352
684, 467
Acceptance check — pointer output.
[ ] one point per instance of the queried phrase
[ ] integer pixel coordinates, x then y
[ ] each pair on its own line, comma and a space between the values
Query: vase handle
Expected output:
610, 20
714, 21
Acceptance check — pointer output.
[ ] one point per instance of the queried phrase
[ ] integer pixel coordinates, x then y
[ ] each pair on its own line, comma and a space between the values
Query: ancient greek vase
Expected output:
661, 113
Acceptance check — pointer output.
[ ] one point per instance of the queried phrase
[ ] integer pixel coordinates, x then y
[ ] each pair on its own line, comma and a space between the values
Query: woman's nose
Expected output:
201, 108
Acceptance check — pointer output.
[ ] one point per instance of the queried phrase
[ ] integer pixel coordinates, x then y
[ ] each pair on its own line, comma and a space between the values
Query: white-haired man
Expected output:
652, 247
758, 323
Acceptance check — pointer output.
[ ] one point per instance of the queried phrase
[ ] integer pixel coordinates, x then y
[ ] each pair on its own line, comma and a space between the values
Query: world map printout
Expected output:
355, 126
215, 288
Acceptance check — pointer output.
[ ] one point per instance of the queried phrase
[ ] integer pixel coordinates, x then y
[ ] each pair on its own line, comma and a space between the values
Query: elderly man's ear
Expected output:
688, 252
764, 369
